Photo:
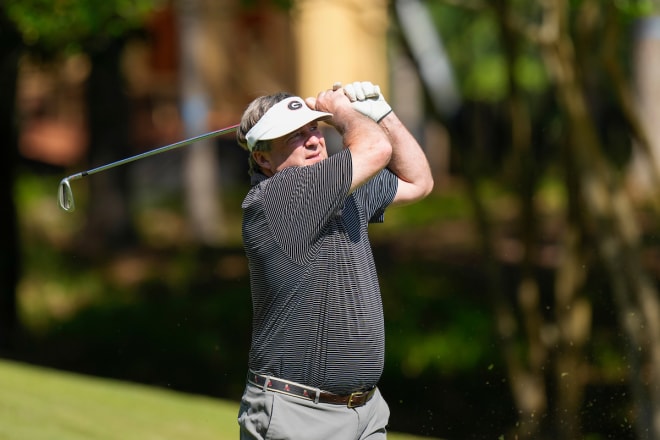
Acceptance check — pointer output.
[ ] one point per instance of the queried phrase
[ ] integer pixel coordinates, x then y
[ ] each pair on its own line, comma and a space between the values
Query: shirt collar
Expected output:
257, 177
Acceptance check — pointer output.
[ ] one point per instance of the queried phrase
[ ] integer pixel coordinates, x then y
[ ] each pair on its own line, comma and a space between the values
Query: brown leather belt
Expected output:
353, 400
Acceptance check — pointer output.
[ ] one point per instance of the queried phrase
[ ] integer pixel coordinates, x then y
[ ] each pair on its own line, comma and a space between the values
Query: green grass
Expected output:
39, 403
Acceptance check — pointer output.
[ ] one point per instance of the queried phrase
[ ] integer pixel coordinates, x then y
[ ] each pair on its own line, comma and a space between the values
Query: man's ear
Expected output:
262, 160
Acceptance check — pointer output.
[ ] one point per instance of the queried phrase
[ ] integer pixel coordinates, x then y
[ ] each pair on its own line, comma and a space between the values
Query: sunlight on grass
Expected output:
39, 403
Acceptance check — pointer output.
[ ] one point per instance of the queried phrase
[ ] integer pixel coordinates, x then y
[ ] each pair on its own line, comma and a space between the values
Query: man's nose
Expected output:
312, 139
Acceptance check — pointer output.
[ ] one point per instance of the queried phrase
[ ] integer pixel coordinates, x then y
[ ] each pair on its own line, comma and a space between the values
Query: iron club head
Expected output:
65, 196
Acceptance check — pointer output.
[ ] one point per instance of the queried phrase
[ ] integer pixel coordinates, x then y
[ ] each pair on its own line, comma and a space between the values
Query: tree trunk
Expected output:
573, 321
645, 165
608, 209
201, 180
10, 44
108, 218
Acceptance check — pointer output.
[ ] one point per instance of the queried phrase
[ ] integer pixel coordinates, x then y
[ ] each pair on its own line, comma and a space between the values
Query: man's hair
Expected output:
251, 116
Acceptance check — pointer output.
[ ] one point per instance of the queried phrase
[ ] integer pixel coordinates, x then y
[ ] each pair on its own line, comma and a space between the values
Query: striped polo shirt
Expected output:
317, 312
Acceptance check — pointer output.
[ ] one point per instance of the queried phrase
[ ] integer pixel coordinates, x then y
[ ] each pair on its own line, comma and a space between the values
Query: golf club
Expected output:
65, 194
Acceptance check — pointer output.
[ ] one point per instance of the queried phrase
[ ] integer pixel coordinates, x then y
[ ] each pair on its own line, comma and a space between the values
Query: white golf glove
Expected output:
367, 99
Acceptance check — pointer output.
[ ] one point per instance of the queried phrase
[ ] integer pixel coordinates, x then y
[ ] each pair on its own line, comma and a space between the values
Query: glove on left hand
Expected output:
366, 98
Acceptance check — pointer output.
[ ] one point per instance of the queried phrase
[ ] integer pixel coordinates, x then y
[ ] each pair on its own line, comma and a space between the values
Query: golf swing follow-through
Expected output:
318, 339
65, 194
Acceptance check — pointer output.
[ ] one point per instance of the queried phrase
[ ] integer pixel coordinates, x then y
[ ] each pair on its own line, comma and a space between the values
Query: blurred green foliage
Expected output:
179, 315
68, 25
473, 42
171, 308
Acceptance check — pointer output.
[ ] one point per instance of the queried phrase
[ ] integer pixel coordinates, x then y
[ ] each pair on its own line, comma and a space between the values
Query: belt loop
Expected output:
266, 381
318, 395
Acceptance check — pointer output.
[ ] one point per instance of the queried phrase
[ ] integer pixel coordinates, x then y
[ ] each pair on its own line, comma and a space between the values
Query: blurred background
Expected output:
521, 298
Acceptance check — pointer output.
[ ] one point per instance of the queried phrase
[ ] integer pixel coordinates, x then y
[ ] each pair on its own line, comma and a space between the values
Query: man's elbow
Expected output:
411, 192
382, 153
426, 186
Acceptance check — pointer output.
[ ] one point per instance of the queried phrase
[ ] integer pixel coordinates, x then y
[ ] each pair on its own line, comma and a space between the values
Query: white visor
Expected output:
283, 118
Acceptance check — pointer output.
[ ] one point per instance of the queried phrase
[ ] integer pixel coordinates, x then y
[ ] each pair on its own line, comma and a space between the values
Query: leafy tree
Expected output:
551, 72
47, 30
76, 25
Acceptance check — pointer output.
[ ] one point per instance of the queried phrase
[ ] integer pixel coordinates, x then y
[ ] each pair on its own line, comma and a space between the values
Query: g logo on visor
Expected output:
295, 105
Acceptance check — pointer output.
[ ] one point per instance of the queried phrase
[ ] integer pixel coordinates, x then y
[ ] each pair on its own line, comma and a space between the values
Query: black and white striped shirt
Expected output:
317, 312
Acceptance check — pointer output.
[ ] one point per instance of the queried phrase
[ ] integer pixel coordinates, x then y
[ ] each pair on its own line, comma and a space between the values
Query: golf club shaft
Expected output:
65, 194
153, 152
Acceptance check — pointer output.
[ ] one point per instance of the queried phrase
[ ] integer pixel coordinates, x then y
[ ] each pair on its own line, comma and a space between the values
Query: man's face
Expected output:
305, 146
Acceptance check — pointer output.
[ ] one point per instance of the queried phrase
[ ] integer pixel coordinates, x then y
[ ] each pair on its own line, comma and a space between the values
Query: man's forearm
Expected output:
408, 160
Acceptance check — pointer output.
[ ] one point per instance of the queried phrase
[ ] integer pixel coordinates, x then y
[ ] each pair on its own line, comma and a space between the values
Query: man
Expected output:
317, 348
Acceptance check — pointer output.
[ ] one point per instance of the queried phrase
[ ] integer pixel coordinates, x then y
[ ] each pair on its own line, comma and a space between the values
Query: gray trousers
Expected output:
267, 415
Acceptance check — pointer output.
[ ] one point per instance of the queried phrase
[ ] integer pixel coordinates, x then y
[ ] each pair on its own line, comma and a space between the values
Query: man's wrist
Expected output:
388, 113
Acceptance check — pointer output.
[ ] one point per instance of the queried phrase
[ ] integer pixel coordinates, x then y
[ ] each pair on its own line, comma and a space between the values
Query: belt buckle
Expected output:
356, 394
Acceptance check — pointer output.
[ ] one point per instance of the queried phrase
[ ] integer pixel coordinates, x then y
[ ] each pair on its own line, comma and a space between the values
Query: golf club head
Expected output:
65, 196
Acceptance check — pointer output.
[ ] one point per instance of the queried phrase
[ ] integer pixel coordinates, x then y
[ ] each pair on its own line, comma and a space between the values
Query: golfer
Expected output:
318, 336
